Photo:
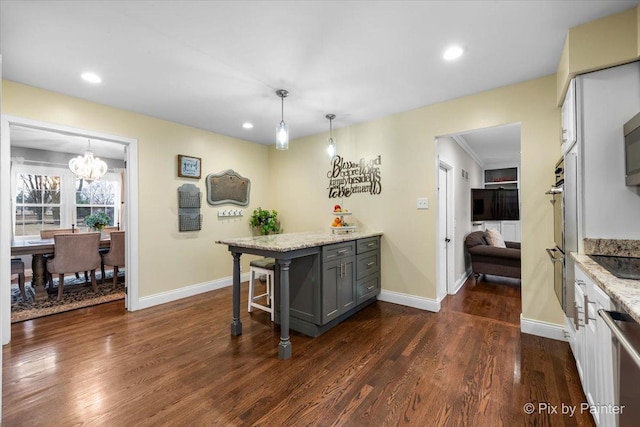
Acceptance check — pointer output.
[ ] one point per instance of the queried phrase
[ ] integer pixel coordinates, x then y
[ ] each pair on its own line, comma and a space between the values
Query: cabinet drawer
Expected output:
367, 264
338, 251
368, 244
368, 288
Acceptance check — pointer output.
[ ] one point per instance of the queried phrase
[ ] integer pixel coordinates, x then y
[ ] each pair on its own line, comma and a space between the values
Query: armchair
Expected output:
487, 259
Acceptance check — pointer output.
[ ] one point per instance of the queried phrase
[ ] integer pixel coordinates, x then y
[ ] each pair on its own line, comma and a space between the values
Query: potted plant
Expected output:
97, 221
265, 222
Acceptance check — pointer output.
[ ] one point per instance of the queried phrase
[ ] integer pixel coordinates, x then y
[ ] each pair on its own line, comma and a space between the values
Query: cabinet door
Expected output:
569, 118
510, 231
331, 282
348, 295
338, 288
580, 331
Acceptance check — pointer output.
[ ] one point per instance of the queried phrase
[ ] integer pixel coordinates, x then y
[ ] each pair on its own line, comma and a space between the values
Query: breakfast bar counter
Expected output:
321, 278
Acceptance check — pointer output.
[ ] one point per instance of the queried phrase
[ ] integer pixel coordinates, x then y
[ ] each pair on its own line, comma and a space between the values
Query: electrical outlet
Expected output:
423, 203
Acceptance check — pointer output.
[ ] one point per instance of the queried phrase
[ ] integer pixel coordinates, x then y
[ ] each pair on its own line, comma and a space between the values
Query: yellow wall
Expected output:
606, 42
406, 143
168, 259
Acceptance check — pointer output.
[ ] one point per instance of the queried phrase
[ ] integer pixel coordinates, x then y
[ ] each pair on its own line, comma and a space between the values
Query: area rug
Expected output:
77, 294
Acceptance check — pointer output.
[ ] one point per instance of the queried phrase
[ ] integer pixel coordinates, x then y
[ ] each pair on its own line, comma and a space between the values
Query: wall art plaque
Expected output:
347, 178
228, 187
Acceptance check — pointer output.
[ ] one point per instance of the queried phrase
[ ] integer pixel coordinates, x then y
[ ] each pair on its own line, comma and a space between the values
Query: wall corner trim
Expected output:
542, 329
188, 291
421, 303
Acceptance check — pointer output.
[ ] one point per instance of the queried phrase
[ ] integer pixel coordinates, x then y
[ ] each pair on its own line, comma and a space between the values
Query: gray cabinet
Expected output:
332, 284
338, 280
367, 269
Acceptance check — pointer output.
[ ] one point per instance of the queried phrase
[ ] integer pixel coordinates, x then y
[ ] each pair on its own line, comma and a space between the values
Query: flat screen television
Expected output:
499, 204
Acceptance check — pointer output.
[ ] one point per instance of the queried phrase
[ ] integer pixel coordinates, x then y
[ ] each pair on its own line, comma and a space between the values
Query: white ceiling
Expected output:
53, 141
495, 145
215, 64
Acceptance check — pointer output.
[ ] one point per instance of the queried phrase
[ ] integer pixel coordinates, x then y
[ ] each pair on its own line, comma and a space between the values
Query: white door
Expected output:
443, 237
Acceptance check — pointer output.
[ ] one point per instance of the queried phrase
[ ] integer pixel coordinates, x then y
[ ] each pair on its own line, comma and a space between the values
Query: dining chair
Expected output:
75, 252
48, 234
115, 256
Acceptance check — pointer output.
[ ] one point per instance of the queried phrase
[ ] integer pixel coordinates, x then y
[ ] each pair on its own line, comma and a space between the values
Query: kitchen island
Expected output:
321, 278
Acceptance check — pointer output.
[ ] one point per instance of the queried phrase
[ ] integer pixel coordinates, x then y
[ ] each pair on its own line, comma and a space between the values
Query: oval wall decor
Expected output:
228, 187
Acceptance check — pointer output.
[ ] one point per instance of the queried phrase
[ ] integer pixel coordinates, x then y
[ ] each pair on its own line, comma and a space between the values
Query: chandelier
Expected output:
88, 167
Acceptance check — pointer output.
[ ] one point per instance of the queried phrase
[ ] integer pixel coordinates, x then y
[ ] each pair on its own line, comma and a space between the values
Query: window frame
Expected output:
68, 206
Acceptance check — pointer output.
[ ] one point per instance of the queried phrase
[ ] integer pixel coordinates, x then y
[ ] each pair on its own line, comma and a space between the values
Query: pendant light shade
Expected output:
331, 149
282, 130
88, 167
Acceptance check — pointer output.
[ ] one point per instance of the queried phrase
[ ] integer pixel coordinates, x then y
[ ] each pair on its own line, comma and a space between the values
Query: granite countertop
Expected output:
294, 241
623, 291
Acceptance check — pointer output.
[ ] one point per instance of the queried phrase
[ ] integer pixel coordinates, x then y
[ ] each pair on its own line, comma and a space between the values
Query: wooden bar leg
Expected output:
236, 324
39, 267
284, 348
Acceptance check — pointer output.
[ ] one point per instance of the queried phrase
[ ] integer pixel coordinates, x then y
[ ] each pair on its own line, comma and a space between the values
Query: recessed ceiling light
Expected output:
91, 77
454, 52
247, 125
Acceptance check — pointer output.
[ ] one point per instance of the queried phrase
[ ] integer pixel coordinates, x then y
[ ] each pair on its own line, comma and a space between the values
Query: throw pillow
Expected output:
494, 238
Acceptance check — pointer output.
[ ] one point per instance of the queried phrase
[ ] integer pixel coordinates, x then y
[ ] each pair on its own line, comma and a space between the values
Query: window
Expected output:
48, 197
37, 203
95, 196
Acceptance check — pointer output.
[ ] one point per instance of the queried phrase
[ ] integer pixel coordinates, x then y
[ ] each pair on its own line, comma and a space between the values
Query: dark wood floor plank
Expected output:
176, 364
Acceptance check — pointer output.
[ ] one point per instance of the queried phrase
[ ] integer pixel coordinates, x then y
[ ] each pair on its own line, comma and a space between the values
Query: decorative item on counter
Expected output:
265, 222
339, 224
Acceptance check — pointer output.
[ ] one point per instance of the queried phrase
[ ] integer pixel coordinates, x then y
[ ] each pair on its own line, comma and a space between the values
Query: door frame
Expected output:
449, 287
130, 199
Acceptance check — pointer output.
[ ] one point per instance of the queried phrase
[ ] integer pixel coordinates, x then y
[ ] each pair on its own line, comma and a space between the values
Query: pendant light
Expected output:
331, 149
282, 130
88, 167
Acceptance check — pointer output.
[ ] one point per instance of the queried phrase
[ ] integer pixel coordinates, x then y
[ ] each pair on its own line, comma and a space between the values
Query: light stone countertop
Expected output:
294, 241
624, 291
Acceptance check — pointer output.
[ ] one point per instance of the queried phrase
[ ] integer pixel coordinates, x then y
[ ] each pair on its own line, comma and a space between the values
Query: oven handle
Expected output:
619, 334
551, 252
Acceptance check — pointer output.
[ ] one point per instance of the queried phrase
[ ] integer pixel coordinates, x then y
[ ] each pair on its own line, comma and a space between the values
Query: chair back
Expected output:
75, 252
115, 256
48, 234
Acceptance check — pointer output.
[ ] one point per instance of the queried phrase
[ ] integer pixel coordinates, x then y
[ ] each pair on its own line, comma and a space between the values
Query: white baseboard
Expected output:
542, 329
422, 303
188, 291
463, 278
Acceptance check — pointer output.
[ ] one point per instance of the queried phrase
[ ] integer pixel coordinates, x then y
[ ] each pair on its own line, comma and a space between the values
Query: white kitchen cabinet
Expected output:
510, 230
569, 122
594, 348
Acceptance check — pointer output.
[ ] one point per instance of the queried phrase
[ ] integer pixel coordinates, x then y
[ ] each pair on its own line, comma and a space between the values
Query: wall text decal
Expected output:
347, 178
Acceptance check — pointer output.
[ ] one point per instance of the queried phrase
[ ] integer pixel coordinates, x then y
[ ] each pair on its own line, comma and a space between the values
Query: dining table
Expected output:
38, 248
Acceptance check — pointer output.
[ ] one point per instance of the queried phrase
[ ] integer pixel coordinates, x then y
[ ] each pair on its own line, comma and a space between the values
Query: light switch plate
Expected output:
423, 203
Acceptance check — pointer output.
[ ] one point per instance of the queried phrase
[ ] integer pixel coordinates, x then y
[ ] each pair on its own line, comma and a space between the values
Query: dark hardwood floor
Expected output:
176, 364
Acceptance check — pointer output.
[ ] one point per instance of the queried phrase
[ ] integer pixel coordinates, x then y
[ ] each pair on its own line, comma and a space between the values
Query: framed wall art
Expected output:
189, 167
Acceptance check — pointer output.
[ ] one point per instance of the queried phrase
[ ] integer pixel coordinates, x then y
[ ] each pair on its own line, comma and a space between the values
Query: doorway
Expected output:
130, 214
446, 222
476, 157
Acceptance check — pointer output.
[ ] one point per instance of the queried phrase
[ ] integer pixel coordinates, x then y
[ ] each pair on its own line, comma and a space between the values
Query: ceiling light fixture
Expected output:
88, 167
91, 77
282, 130
331, 149
454, 52
247, 125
